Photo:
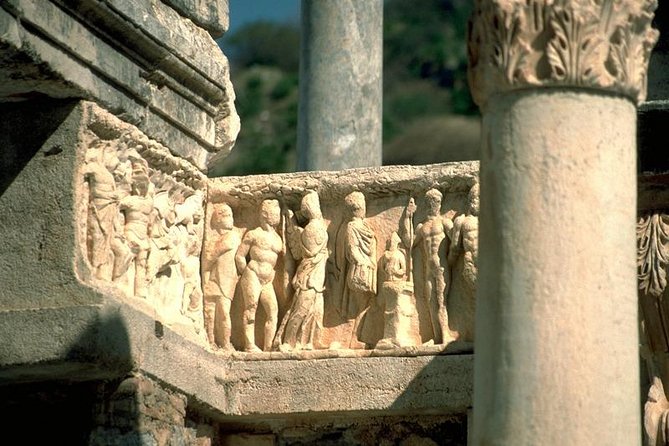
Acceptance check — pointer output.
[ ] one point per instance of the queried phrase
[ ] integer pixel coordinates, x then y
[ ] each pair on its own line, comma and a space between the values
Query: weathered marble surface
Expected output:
178, 91
61, 321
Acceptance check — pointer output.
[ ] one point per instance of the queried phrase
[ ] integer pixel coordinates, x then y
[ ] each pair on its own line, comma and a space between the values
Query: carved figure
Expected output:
107, 254
356, 262
220, 275
137, 209
462, 259
431, 235
395, 297
162, 249
302, 324
256, 259
656, 415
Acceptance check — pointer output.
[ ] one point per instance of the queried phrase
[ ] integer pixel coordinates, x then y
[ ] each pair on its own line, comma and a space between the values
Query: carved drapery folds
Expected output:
599, 44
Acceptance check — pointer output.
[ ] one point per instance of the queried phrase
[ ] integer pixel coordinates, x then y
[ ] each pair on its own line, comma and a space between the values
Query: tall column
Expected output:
556, 357
340, 84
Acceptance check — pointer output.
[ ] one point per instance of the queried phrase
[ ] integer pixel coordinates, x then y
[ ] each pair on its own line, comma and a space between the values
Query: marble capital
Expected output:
590, 44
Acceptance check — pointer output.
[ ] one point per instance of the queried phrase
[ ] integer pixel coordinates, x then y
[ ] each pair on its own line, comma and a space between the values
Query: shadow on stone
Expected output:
27, 125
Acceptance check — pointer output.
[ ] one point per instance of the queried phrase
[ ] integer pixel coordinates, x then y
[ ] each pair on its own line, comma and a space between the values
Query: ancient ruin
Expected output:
162, 306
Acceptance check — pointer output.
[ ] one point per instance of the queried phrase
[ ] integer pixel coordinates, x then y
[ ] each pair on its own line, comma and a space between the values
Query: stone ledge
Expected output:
114, 339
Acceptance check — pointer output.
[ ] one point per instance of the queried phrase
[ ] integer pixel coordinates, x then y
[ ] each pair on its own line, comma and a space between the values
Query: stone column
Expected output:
340, 84
556, 357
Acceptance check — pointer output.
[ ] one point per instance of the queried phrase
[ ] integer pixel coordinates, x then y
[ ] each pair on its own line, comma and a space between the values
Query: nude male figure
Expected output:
261, 247
137, 209
431, 235
220, 275
463, 259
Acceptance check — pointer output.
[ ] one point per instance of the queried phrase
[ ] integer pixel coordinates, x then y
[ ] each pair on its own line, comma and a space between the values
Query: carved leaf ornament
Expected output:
602, 44
653, 253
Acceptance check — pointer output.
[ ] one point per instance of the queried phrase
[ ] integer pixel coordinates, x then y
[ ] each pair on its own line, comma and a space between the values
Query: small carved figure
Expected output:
220, 275
431, 235
137, 209
395, 297
356, 263
462, 259
302, 324
262, 245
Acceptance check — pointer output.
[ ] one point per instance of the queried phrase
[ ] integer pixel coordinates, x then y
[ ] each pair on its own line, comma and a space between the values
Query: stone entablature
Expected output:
143, 61
598, 44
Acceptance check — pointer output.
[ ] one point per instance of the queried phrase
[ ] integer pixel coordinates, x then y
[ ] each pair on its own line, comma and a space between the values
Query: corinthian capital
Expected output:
600, 44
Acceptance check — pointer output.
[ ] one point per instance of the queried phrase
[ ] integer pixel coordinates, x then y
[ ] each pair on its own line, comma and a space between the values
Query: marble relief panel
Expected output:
143, 211
377, 259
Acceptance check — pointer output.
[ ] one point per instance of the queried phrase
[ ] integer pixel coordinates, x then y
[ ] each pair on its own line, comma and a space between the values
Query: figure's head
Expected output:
270, 212
394, 241
355, 202
223, 217
433, 198
140, 174
474, 199
311, 206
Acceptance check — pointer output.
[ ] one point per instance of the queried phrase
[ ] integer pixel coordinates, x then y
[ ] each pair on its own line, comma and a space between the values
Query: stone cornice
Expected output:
598, 44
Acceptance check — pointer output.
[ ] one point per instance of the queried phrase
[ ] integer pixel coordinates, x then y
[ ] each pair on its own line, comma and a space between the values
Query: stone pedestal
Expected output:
556, 325
340, 85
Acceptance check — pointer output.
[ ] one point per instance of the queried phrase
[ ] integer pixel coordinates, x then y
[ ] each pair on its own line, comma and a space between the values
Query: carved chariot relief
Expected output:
144, 222
373, 259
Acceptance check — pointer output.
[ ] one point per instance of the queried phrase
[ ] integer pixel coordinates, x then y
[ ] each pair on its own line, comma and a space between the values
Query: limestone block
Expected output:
211, 15
142, 61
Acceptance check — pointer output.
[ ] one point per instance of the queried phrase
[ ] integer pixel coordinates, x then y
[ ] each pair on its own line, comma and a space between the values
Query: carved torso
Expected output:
433, 233
265, 247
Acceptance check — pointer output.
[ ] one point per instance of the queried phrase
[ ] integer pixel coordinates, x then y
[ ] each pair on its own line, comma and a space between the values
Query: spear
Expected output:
410, 209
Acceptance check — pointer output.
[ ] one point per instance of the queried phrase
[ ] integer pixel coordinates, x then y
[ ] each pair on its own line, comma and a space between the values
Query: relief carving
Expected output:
431, 235
340, 269
356, 267
220, 277
143, 217
652, 261
256, 258
295, 265
302, 325
463, 260
602, 44
653, 253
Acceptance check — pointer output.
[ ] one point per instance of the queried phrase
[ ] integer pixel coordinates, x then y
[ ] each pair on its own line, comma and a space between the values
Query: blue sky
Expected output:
244, 11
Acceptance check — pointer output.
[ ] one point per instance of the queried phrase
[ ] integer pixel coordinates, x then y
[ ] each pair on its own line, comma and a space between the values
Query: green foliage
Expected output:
267, 105
425, 75
266, 43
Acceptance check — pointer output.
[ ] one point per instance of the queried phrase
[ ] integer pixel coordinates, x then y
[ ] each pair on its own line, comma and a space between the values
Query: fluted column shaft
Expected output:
556, 354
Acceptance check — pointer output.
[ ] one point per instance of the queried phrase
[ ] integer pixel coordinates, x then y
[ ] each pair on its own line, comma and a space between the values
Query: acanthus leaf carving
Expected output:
653, 253
576, 52
601, 44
